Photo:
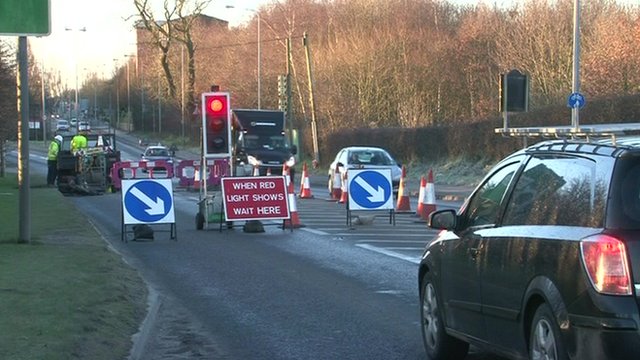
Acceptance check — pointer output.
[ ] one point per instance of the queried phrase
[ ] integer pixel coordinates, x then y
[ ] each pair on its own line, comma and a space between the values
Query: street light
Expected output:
259, 45
117, 95
83, 29
128, 87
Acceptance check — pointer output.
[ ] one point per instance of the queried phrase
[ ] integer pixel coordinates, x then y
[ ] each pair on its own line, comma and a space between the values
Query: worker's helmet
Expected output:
58, 137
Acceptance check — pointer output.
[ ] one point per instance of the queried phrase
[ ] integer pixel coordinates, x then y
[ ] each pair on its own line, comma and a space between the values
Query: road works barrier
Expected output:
159, 169
189, 172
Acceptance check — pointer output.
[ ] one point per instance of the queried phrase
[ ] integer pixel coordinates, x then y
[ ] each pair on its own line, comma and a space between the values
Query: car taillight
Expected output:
605, 259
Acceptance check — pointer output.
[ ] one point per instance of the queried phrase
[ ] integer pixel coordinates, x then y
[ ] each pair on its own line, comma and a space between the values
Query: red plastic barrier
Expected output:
139, 170
188, 172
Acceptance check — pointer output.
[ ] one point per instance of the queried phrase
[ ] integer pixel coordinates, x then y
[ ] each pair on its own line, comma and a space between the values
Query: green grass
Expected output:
63, 295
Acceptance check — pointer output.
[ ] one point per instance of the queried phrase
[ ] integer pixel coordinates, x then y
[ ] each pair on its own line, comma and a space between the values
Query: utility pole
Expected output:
314, 127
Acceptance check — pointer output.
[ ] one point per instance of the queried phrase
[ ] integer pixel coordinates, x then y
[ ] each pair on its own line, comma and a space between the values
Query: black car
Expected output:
543, 259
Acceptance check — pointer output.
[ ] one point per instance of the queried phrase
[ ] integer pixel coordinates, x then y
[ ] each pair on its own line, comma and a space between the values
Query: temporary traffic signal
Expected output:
216, 122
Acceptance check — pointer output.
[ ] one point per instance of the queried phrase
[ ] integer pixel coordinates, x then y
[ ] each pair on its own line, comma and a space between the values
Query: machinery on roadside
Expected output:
87, 172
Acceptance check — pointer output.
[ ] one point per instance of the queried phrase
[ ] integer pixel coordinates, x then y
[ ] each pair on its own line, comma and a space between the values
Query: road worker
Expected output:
52, 160
78, 143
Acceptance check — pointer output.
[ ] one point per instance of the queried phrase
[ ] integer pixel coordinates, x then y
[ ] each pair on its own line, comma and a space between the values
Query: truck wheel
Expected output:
545, 341
199, 221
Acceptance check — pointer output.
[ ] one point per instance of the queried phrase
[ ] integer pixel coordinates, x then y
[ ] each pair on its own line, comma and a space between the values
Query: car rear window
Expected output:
558, 191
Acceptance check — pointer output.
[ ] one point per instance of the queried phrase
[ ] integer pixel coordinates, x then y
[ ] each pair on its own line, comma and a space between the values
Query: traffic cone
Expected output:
428, 198
285, 173
430, 195
294, 220
344, 197
423, 186
305, 189
336, 189
403, 204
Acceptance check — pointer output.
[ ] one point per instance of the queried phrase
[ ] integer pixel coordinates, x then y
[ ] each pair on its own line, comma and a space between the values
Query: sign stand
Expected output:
370, 190
147, 202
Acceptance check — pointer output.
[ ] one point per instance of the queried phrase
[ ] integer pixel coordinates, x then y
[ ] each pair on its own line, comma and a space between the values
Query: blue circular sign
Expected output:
370, 189
148, 201
575, 100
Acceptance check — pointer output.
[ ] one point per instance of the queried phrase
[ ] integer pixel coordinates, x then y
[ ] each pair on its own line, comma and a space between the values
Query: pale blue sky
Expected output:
108, 36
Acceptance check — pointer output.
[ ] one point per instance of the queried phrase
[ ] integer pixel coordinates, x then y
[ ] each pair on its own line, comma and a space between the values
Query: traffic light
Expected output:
216, 122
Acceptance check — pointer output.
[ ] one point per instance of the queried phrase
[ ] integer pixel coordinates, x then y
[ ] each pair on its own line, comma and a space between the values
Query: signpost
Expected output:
575, 101
25, 17
370, 190
147, 201
255, 198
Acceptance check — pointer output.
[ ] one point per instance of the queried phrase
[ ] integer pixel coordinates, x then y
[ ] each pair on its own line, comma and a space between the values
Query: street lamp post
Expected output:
117, 96
259, 47
83, 29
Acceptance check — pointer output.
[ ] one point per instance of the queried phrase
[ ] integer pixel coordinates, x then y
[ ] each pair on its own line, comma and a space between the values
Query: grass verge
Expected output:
64, 295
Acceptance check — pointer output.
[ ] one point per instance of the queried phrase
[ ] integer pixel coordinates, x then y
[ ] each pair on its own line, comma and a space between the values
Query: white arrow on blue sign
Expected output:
575, 100
370, 189
147, 201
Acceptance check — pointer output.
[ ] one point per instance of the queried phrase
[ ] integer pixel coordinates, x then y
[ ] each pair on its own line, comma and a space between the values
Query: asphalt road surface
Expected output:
326, 291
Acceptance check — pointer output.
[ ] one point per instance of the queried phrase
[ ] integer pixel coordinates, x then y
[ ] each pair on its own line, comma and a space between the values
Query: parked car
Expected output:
364, 157
157, 152
543, 259
62, 125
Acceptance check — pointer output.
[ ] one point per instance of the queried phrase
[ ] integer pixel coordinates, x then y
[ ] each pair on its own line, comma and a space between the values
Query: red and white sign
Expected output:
255, 198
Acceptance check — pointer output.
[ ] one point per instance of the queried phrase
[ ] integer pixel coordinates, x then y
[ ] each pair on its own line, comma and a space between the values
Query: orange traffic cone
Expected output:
336, 188
344, 197
423, 186
430, 196
285, 173
305, 189
294, 220
403, 204
427, 202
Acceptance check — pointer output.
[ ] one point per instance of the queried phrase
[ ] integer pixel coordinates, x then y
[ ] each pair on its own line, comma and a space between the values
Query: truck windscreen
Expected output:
273, 142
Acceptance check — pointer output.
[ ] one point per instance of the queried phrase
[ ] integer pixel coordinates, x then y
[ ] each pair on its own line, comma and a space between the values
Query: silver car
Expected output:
364, 157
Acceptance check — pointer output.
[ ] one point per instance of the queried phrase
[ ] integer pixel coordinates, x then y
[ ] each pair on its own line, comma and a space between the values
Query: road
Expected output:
325, 291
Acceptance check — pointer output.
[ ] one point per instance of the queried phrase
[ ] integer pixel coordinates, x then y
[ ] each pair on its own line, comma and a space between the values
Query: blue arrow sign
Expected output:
148, 201
575, 100
370, 189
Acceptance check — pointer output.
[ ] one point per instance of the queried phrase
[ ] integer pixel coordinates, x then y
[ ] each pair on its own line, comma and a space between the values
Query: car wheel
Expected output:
545, 341
438, 344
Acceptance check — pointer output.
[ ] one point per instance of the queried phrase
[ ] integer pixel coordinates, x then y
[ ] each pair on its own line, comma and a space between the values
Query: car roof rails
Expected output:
586, 132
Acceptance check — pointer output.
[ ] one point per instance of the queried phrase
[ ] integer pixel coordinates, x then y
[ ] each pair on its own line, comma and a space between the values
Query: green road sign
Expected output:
25, 17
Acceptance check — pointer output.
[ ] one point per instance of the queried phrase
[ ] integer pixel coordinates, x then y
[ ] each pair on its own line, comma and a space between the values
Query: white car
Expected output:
84, 126
62, 125
74, 122
365, 157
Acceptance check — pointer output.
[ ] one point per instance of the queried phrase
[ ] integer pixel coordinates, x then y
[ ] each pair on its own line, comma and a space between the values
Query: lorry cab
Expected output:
260, 143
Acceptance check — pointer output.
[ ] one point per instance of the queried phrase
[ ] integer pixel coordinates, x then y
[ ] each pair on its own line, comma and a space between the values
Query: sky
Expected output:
109, 35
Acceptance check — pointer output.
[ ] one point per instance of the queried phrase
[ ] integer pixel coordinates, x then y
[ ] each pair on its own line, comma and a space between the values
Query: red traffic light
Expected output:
216, 105
216, 124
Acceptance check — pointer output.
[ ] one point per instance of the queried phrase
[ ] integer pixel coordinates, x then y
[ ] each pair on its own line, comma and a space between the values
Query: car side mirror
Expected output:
443, 219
